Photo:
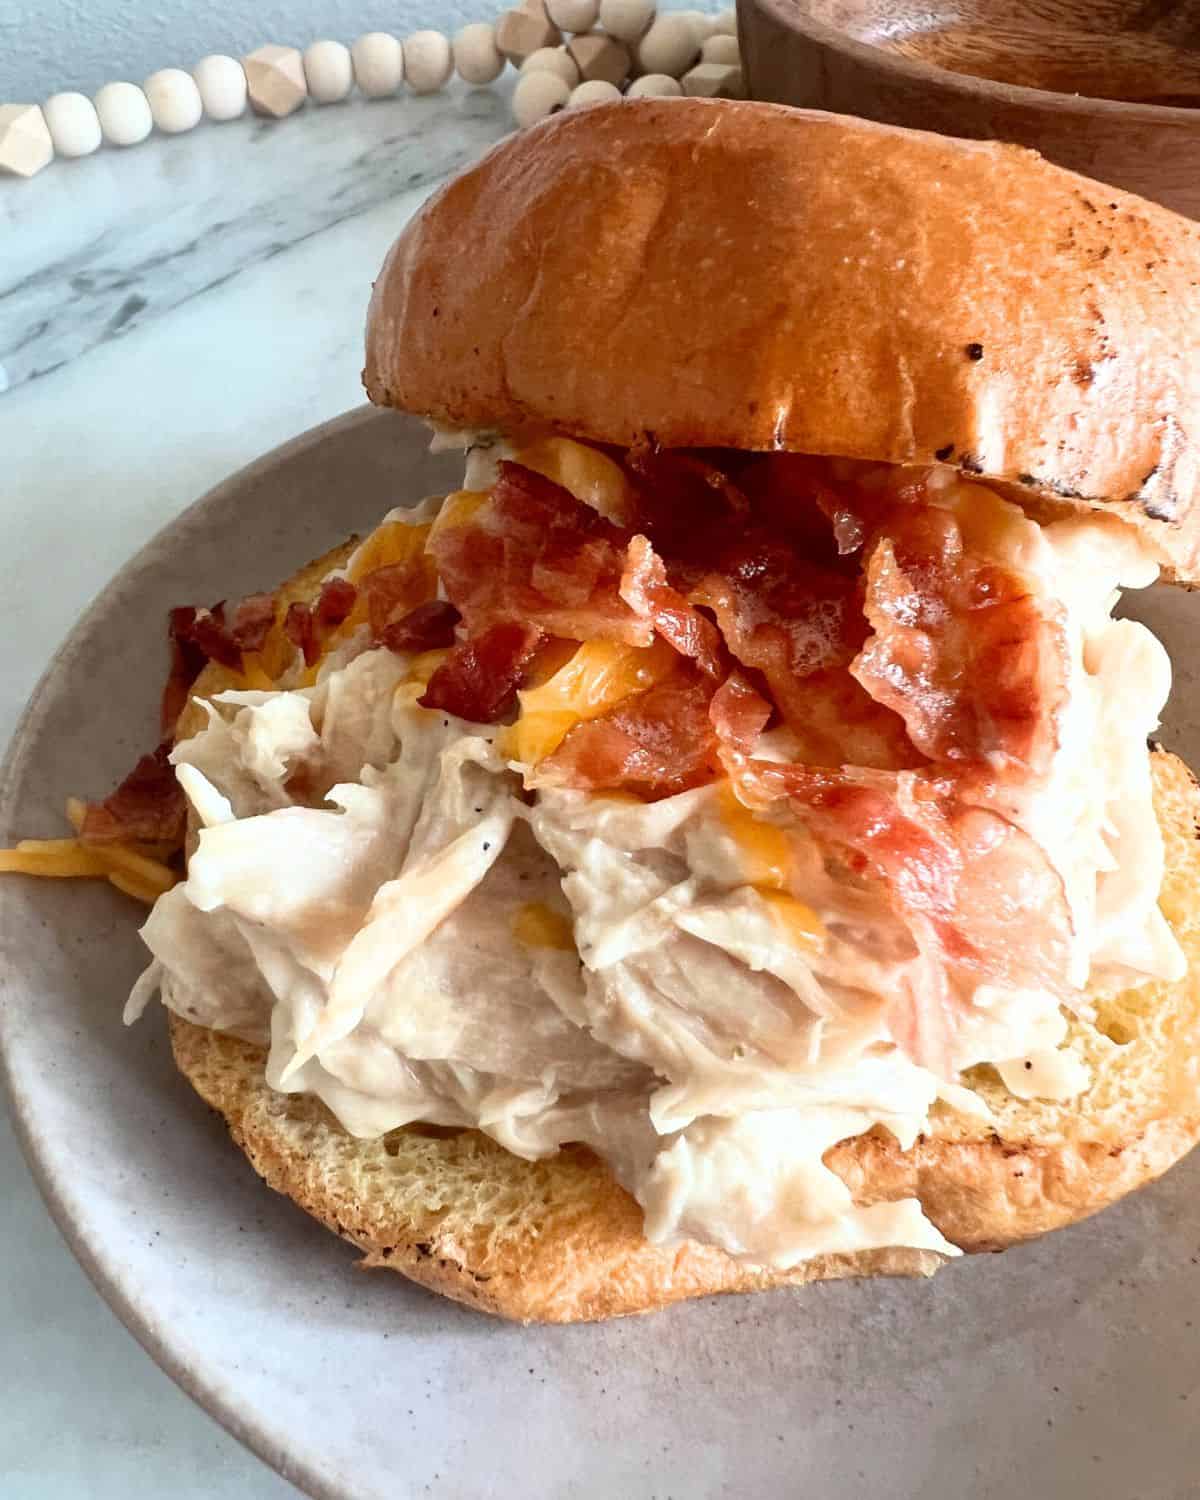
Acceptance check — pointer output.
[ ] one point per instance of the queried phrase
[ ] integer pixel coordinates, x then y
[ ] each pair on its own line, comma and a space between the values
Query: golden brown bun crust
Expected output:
560, 1241
751, 276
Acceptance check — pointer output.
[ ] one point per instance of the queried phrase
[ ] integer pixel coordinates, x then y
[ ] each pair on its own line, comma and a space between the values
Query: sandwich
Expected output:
720, 846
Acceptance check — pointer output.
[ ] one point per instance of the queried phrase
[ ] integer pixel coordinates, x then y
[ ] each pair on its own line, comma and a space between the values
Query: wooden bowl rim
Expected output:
790, 14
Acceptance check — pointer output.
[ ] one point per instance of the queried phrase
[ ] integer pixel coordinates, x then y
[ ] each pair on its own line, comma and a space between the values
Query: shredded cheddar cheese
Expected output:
122, 865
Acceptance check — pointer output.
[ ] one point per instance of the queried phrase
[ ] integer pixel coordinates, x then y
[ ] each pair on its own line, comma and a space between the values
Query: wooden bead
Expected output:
328, 71
654, 86
275, 80
222, 84
721, 49
669, 46
520, 32
726, 22
627, 20
553, 60
124, 114
600, 58
478, 60
428, 61
174, 100
537, 95
573, 15
378, 61
714, 81
591, 92
25, 144
73, 124
703, 23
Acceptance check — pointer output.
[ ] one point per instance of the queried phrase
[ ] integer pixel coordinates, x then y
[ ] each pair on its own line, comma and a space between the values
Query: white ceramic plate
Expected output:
1066, 1367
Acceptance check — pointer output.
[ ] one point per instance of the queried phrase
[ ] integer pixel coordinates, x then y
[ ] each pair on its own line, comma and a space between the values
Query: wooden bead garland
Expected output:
611, 45
124, 114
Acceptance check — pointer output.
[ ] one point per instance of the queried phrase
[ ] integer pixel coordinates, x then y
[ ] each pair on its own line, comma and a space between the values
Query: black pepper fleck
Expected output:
974, 351
942, 454
486, 847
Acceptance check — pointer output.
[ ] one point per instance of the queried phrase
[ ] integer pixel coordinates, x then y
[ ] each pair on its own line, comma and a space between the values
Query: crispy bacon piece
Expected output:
252, 620
533, 552
655, 744
683, 496
800, 625
963, 650
426, 628
480, 677
393, 591
738, 714
204, 629
979, 897
148, 806
309, 626
645, 589
198, 636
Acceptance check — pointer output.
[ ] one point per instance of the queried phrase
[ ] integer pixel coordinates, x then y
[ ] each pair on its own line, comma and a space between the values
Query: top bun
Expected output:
751, 276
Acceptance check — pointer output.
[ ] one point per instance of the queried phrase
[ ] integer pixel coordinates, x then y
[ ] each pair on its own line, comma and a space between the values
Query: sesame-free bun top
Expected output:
751, 276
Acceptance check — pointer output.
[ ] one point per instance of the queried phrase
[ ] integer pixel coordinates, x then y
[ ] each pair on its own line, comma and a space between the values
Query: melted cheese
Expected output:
599, 675
591, 476
538, 925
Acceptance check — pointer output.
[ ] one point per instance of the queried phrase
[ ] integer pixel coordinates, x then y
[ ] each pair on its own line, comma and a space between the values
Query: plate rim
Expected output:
154, 1340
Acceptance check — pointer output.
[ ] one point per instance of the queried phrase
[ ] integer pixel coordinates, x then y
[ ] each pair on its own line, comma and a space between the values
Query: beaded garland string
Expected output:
569, 54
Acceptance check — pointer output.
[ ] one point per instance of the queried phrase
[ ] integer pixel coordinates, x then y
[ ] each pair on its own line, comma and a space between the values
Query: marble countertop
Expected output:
166, 315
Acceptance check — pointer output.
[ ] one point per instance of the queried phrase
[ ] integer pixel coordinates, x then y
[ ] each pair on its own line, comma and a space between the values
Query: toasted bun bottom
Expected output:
559, 1241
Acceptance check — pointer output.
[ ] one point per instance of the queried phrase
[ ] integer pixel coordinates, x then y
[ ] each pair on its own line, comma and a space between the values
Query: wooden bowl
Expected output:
1110, 88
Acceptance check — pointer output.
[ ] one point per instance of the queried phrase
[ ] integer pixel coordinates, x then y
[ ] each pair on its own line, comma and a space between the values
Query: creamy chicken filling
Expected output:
421, 928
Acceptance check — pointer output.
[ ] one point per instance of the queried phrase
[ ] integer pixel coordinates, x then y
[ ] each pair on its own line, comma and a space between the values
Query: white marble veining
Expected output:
91, 249
185, 306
